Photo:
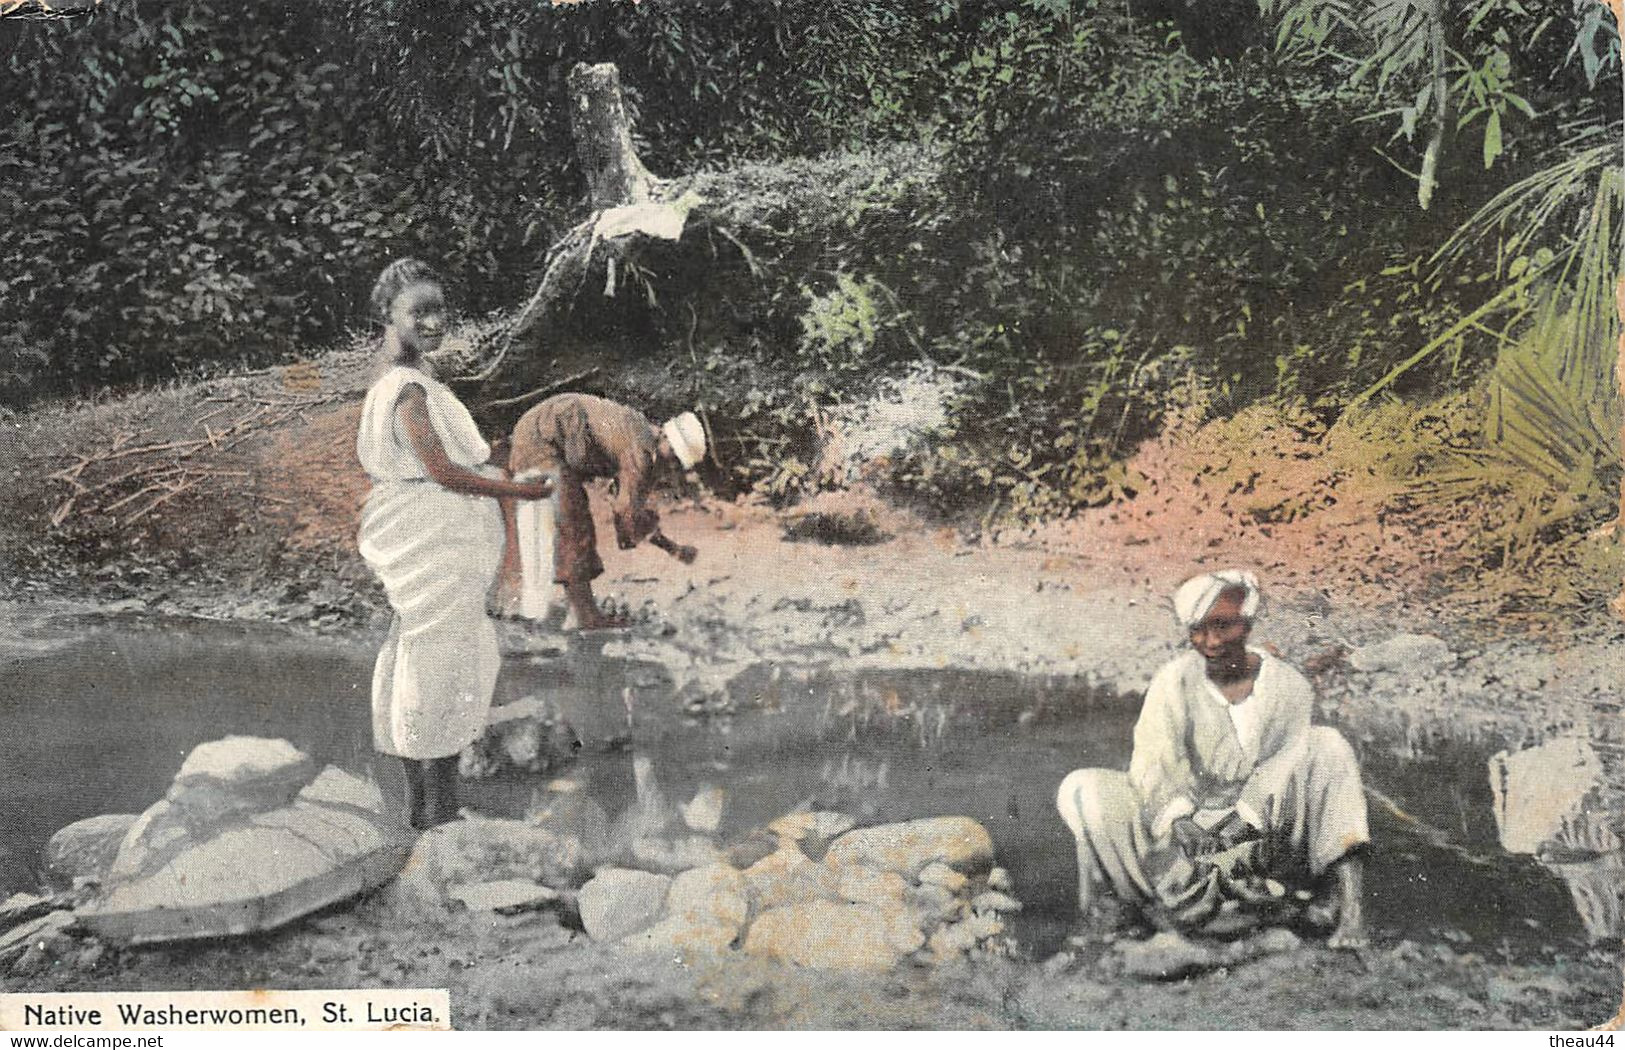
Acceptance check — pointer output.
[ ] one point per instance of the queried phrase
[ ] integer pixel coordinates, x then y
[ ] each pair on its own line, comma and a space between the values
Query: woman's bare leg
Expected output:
1350, 932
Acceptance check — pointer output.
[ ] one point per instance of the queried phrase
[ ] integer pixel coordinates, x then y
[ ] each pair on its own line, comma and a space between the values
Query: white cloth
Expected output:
384, 451
535, 527
436, 552
1191, 756
1196, 596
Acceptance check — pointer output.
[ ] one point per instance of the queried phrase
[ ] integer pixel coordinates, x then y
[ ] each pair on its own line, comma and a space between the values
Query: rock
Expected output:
957, 938
89, 957
994, 901
620, 901
812, 831
1165, 956
528, 735
671, 857
934, 904
478, 850
754, 847
703, 813
1539, 790
36, 934
939, 874
833, 936
908, 848
246, 838
885, 890
705, 910
508, 896
24, 907
218, 782
84, 850
568, 811
788, 877
999, 879
1404, 653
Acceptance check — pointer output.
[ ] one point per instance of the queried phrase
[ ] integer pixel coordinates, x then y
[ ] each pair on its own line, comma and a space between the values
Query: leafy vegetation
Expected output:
1094, 216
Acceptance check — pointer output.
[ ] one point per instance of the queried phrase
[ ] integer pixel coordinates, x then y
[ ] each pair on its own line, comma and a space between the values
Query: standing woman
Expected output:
433, 531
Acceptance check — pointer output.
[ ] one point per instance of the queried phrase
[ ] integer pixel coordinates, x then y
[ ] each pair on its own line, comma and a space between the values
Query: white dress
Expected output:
436, 552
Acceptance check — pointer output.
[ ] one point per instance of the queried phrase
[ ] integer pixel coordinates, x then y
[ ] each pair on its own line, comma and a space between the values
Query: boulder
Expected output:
812, 831
567, 810
994, 901
245, 839
909, 848
885, 890
529, 736
621, 901
786, 876
674, 855
1540, 790
83, 852
833, 936
704, 912
42, 934
478, 850
1404, 653
939, 874
956, 938
505, 896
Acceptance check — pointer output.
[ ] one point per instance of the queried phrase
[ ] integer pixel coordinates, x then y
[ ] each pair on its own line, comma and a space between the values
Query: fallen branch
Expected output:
161, 500
543, 391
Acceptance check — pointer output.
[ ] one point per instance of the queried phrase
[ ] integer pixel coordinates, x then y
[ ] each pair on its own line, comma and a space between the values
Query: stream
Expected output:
101, 713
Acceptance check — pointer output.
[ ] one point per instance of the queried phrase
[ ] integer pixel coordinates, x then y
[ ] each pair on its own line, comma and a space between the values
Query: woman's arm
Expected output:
412, 412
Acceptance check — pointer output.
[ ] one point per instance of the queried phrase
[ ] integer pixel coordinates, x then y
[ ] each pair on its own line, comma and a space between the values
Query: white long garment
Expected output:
1195, 752
436, 552
535, 529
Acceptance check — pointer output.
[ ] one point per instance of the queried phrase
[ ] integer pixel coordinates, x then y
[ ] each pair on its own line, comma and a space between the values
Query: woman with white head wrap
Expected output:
1226, 770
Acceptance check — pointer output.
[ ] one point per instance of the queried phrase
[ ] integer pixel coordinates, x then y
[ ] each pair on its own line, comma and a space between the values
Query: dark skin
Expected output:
1221, 639
589, 617
415, 327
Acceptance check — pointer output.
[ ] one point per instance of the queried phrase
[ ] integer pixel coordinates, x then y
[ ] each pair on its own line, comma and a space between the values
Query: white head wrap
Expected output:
687, 438
1196, 596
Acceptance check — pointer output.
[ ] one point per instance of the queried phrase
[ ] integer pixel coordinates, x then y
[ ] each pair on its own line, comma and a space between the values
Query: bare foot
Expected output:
1348, 937
1350, 932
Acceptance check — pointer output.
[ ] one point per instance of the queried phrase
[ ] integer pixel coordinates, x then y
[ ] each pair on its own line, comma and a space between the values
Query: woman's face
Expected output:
418, 316
1221, 636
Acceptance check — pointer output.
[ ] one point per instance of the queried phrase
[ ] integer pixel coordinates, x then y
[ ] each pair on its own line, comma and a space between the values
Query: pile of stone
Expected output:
808, 889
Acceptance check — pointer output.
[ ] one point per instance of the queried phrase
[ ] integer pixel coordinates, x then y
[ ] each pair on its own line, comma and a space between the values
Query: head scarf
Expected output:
687, 439
1195, 597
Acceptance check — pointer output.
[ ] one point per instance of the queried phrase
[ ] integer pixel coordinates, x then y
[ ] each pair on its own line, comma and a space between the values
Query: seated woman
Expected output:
1228, 779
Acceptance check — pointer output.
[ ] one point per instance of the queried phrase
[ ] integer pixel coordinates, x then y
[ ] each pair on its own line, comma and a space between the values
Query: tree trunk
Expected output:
603, 134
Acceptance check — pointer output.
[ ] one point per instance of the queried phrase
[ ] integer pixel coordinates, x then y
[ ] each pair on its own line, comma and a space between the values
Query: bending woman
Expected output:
433, 531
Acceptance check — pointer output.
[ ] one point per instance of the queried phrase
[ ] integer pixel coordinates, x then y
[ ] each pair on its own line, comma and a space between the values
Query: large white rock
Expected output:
621, 901
833, 936
247, 837
910, 847
1539, 790
84, 850
1405, 653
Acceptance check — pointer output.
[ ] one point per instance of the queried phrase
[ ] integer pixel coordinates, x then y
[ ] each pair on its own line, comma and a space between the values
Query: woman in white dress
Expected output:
1228, 781
433, 531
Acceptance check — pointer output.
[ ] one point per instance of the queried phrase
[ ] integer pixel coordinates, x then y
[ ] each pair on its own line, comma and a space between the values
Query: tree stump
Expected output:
603, 136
